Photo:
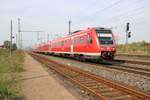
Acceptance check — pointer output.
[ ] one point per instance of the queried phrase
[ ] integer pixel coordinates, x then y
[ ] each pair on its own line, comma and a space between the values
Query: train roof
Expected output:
77, 32
102, 28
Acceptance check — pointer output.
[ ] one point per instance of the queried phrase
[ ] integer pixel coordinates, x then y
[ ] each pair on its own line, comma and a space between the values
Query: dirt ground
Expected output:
38, 85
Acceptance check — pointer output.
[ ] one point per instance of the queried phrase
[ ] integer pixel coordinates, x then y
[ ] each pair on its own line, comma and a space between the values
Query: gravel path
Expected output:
38, 85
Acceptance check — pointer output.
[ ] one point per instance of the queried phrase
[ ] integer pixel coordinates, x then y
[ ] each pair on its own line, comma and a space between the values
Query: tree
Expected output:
14, 46
7, 44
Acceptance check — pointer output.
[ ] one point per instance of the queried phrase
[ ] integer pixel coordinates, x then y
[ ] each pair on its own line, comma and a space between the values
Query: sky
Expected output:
52, 16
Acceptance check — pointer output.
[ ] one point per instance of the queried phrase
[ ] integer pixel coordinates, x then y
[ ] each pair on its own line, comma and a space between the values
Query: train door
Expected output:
89, 43
71, 46
49, 47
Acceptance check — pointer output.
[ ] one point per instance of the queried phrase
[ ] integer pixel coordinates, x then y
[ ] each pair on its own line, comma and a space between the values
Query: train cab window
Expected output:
81, 40
105, 36
106, 40
89, 39
103, 31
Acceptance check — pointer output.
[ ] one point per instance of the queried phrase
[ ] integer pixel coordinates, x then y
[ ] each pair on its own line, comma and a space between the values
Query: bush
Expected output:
143, 47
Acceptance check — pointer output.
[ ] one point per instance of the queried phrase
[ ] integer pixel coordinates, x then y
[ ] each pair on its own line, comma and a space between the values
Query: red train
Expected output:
92, 43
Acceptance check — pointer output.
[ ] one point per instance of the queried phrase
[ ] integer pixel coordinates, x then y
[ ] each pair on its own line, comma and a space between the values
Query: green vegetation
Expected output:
135, 47
7, 45
9, 72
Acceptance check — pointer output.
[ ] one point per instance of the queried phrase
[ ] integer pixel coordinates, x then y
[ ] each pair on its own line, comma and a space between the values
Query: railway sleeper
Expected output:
123, 97
90, 85
98, 87
104, 89
105, 94
80, 79
84, 80
111, 94
91, 82
69, 73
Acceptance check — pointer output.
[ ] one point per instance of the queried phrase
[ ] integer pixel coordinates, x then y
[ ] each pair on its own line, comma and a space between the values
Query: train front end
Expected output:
107, 43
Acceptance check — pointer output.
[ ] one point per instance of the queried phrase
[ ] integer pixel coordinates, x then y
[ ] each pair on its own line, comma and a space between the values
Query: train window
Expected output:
106, 40
76, 41
70, 42
81, 40
89, 39
103, 31
59, 44
62, 43
65, 42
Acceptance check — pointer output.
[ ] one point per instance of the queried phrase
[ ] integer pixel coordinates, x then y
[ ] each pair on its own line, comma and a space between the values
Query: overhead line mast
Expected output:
20, 35
69, 26
11, 38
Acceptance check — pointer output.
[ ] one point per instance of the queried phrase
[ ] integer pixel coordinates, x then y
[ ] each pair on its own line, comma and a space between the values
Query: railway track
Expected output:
133, 59
128, 68
119, 65
133, 55
96, 86
133, 62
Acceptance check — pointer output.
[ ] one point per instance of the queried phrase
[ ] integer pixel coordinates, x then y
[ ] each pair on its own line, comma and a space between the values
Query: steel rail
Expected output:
133, 62
121, 67
74, 81
135, 55
128, 68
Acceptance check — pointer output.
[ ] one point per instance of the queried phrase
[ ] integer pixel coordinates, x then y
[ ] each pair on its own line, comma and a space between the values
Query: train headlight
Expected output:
113, 48
108, 49
102, 49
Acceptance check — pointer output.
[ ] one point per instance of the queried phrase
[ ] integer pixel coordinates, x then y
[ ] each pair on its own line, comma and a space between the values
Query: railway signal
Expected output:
127, 27
129, 34
127, 30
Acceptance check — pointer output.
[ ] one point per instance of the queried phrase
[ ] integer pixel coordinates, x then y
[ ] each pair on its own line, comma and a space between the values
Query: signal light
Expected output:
127, 27
129, 34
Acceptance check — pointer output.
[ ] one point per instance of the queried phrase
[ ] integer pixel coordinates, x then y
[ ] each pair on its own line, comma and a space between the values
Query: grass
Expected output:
10, 67
136, 47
